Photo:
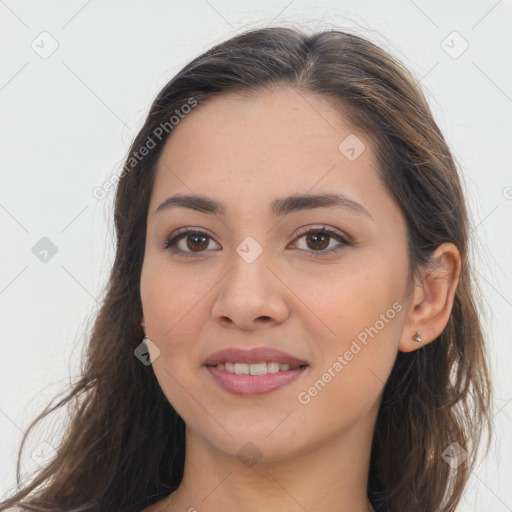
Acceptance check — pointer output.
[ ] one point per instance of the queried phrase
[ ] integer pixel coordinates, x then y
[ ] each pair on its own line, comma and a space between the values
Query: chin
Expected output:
256, 440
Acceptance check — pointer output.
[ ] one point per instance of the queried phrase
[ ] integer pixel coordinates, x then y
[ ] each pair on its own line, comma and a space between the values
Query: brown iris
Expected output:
196, 237
315, 237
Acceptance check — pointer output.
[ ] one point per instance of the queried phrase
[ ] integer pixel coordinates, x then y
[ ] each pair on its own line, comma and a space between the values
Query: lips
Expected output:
254, 385
254, 355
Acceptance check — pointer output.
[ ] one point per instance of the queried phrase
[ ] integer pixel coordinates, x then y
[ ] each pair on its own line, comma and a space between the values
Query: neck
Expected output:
331, 477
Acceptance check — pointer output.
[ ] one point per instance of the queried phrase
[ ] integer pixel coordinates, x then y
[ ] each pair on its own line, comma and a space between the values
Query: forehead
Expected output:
273, 143
278, 117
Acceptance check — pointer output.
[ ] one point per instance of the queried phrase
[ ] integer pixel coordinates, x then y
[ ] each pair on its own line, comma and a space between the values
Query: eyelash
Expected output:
172, 241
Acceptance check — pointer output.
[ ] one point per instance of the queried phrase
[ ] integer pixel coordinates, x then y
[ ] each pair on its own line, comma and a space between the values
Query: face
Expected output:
322, 282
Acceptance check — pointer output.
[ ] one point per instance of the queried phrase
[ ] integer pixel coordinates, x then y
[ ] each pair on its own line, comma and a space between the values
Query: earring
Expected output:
417, 337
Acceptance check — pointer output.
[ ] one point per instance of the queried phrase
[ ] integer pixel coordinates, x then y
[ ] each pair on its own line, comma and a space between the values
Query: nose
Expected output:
250, 295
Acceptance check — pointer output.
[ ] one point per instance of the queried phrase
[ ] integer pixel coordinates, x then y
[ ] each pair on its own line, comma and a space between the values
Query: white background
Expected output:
68, 120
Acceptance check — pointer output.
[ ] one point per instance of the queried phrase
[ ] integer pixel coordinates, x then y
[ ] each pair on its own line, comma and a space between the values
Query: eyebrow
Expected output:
279, 207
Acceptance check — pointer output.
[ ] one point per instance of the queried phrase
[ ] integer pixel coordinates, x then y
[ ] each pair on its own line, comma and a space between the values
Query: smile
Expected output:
251, 379
255, 368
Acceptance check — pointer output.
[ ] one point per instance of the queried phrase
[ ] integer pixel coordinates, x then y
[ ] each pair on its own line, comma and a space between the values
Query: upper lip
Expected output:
253, 355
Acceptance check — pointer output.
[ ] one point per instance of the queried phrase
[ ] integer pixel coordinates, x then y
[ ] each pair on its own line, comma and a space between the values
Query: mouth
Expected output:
262, 368
255, 371
253, 379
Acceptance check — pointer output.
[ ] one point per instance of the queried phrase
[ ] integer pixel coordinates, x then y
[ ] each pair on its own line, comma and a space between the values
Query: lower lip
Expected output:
251, 385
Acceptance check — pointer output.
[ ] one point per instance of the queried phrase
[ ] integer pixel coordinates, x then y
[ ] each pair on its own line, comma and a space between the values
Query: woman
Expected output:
293, 252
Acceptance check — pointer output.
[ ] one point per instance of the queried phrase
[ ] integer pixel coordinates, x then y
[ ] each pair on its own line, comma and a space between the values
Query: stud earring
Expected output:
417, 337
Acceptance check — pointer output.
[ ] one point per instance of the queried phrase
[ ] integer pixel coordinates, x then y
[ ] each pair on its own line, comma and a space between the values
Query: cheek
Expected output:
351, 302
361, 319
172, 311
169, 299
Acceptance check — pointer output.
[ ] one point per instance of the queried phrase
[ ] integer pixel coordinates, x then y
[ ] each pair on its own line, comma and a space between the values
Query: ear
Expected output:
432, 299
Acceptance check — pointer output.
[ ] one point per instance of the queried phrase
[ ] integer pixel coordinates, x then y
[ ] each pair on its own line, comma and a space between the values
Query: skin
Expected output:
246, 152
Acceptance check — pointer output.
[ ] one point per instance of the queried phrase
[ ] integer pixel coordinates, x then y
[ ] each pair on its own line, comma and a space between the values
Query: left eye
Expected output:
318, 239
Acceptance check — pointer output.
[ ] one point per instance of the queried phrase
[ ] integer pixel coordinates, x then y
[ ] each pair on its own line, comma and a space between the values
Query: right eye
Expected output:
192, 239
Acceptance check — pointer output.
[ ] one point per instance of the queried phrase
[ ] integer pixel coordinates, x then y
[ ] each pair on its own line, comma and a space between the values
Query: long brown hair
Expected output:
124, 446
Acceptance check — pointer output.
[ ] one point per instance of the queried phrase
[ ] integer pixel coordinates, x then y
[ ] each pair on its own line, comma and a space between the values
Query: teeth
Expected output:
272, 367
255, 368
242, 368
